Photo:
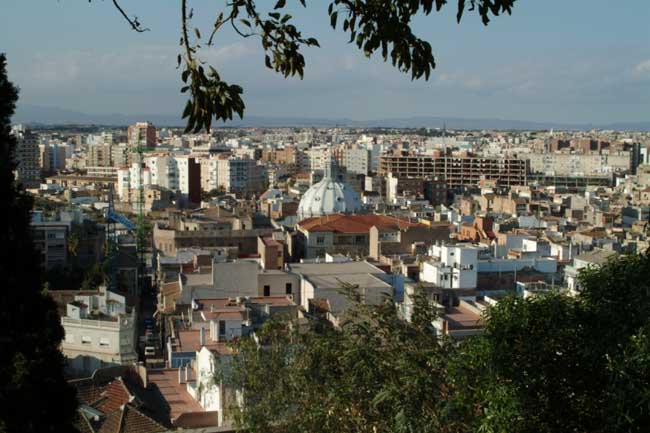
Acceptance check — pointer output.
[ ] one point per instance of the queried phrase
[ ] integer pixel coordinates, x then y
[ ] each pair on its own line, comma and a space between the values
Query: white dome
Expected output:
327, 197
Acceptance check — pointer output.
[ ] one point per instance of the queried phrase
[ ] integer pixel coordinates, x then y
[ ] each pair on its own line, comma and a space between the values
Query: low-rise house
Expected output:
121, 404
353, 235
462, 321
321, 284
591, 259
99, 332
452, 266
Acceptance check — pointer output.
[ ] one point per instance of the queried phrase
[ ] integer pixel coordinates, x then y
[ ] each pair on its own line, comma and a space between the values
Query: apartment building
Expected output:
189, 178
240, 175
356, 160
209, 173
100, 331
98, 155
580, 164
452, 266
27, 154
457, 171
142, 134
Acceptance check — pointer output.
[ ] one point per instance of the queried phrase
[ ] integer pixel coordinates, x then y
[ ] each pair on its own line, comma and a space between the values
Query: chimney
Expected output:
180, 374
142, 372
202, 336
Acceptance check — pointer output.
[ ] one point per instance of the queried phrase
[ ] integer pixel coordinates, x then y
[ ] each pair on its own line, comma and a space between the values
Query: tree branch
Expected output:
135, 24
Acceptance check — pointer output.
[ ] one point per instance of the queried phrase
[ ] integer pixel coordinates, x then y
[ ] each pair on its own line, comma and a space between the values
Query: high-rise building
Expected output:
209, 174
143, 134
356, 159
189, 178
27, 157
121, 155
98, 155
240, 175
456, 171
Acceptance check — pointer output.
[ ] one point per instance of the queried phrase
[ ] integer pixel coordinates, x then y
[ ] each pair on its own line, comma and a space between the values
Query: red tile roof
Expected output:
115, 395
197, 419
174, 393
355, 223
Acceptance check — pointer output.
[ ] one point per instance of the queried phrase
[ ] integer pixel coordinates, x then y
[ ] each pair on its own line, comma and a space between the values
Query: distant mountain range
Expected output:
32, 114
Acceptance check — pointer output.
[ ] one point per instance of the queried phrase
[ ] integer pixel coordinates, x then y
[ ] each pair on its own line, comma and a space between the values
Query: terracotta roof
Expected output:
272, 300
190, 341
462, 318
174, 393
170, 288
355, 223
135, 421
128, 419
224, 314
197, 419
115, 395
88, 392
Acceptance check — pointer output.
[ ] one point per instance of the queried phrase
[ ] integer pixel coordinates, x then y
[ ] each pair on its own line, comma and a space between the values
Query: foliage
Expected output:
549, 363
214, 193
377, 373
64, 277
555, 364
373, 26
94, 277
34, 397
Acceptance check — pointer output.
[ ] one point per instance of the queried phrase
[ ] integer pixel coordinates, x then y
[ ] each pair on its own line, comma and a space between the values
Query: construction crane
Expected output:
138, 228
141, 228
113, 218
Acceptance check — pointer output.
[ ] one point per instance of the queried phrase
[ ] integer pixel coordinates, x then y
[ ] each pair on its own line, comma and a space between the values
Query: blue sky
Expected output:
552, 60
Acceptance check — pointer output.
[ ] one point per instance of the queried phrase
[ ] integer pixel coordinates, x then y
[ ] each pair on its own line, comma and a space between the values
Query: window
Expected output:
222, 328
86, 339
288, 288
320, 240
267, 290
104, 342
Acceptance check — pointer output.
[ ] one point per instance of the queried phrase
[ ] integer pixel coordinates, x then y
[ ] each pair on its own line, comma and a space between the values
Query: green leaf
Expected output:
333, 18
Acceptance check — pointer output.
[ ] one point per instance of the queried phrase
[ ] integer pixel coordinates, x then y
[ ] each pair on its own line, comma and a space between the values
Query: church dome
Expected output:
327, 197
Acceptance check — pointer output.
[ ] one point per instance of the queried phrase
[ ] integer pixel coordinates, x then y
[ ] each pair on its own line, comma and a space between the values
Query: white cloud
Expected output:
219, 55
642, 69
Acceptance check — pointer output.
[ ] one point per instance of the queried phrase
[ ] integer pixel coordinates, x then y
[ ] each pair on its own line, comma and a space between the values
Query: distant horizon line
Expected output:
48, 115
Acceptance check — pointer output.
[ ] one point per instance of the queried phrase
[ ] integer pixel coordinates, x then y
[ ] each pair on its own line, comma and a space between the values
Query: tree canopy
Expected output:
34, 396
549, 363
374, 26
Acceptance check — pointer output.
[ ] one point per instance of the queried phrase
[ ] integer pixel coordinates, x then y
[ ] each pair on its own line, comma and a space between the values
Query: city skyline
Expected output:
571, 65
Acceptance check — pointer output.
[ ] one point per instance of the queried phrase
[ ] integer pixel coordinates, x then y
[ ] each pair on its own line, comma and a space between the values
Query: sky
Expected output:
551, 60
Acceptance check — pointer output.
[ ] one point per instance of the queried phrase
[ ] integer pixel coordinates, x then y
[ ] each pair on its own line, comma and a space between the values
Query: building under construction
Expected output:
457, 171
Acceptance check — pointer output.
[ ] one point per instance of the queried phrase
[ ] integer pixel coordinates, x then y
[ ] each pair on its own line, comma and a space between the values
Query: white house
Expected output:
99, 332
452, 266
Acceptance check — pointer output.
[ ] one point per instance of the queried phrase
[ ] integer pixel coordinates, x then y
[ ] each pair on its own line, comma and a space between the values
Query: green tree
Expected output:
549, 363
94, 277
374, 26
34, 396
377, 373
554, 363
